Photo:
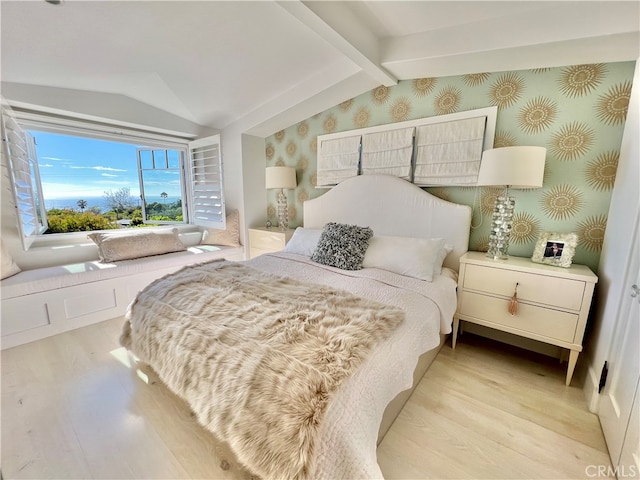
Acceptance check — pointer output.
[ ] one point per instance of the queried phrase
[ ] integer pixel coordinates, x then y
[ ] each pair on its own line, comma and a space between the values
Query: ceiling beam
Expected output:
557, 33
613, 48
338, 26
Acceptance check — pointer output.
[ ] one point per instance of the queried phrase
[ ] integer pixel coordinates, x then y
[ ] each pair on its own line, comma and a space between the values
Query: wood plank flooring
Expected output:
490, 411
73, 407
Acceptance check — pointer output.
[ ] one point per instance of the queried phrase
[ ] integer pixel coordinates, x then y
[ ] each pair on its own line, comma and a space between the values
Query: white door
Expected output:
630, 456
618, 416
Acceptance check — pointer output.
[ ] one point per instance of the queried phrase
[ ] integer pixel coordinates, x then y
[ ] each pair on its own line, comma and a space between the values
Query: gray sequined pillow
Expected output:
342, 246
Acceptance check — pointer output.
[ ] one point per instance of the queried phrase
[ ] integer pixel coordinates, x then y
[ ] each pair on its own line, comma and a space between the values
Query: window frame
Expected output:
183, 183
29, 120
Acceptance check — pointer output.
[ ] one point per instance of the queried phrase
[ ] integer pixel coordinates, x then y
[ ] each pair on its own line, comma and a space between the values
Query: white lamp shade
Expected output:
516, 167
281, 177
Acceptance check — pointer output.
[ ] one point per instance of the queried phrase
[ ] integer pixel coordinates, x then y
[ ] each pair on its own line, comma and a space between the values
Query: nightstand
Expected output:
553, 302
267, 240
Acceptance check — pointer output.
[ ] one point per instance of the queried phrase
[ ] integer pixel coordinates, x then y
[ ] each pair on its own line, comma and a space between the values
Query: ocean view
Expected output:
100, 202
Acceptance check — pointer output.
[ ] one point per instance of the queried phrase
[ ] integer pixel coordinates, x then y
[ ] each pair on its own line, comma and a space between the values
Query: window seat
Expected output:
42, 302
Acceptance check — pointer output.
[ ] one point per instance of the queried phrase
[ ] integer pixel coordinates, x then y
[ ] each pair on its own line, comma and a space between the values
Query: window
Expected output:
70, 176
160, 173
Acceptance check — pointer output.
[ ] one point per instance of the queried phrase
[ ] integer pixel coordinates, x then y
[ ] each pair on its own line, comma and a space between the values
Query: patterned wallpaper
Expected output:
576, 112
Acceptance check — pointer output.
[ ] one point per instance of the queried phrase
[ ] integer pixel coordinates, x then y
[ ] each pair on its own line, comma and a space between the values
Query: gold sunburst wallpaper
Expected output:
577, 112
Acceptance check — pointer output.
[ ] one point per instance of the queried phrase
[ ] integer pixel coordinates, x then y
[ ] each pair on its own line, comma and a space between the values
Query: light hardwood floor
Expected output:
73, 407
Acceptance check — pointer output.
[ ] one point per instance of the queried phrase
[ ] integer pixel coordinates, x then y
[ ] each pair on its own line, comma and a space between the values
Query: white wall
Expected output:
244, 161
625, 204
254, 161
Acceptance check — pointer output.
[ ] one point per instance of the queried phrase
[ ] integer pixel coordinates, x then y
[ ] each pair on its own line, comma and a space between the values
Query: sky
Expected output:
78, 167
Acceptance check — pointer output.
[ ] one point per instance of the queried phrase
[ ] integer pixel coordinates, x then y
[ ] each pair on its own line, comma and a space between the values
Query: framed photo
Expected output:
555, 249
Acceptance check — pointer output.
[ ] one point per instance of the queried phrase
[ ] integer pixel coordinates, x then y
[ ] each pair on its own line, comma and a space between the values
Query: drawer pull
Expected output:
513, 303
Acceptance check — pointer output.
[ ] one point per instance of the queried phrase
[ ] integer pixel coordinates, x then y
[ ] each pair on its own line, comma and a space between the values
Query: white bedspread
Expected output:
347, 448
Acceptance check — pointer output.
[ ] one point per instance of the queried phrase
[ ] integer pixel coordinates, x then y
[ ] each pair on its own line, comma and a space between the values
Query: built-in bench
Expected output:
46, 301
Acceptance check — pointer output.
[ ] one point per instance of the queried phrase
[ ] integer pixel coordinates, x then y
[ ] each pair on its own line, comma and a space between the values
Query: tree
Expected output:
120, 200
82, 204
136, 218
164, 195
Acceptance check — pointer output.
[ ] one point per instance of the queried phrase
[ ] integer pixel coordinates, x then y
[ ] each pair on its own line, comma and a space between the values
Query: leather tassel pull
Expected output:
513, 303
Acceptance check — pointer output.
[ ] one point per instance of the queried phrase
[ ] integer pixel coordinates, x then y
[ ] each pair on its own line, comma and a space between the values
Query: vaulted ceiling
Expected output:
260, 66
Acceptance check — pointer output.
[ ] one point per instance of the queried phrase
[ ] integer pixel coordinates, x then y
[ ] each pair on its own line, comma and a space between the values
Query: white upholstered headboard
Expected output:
392, 206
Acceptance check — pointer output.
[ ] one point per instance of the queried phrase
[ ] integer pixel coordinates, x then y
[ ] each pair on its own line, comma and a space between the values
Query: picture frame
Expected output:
556, 249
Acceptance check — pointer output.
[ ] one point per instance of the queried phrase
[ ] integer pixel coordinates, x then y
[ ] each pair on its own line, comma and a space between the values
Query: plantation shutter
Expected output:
22, 163
207, 194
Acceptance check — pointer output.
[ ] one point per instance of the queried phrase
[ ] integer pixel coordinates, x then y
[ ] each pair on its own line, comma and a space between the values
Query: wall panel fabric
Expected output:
577, 112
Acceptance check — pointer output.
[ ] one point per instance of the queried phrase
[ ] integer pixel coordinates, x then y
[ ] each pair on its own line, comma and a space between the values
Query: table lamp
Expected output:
281, 177
508, 167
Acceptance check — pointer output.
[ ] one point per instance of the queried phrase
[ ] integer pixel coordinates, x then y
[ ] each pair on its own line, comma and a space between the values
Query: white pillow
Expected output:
442, 254
8, 266
303, 241
412, 257
114, 247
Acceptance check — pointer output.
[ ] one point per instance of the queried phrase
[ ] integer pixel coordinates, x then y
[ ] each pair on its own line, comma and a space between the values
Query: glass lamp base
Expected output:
501, 224
283, 211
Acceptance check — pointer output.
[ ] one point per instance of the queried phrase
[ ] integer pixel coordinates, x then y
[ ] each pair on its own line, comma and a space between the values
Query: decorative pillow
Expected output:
229, 237
412, 257
114, 247
342, 246
7, 265
442, 254
303, 241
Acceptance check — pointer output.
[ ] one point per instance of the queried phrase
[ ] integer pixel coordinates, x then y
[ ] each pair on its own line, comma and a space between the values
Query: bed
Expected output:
298, 366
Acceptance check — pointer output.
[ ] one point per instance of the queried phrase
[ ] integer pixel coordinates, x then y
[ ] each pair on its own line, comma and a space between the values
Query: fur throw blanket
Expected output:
256, 356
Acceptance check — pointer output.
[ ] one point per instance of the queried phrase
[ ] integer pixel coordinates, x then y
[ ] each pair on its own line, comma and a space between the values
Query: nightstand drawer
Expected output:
530, 318
545, 290
265, 240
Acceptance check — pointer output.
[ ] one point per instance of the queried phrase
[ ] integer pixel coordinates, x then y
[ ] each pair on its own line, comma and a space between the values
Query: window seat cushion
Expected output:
51, 278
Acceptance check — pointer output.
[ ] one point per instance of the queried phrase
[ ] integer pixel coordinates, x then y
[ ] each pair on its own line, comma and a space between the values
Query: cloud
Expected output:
100, 169
108, 175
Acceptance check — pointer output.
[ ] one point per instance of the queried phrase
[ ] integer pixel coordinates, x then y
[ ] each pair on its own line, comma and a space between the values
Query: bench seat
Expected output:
46, 301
